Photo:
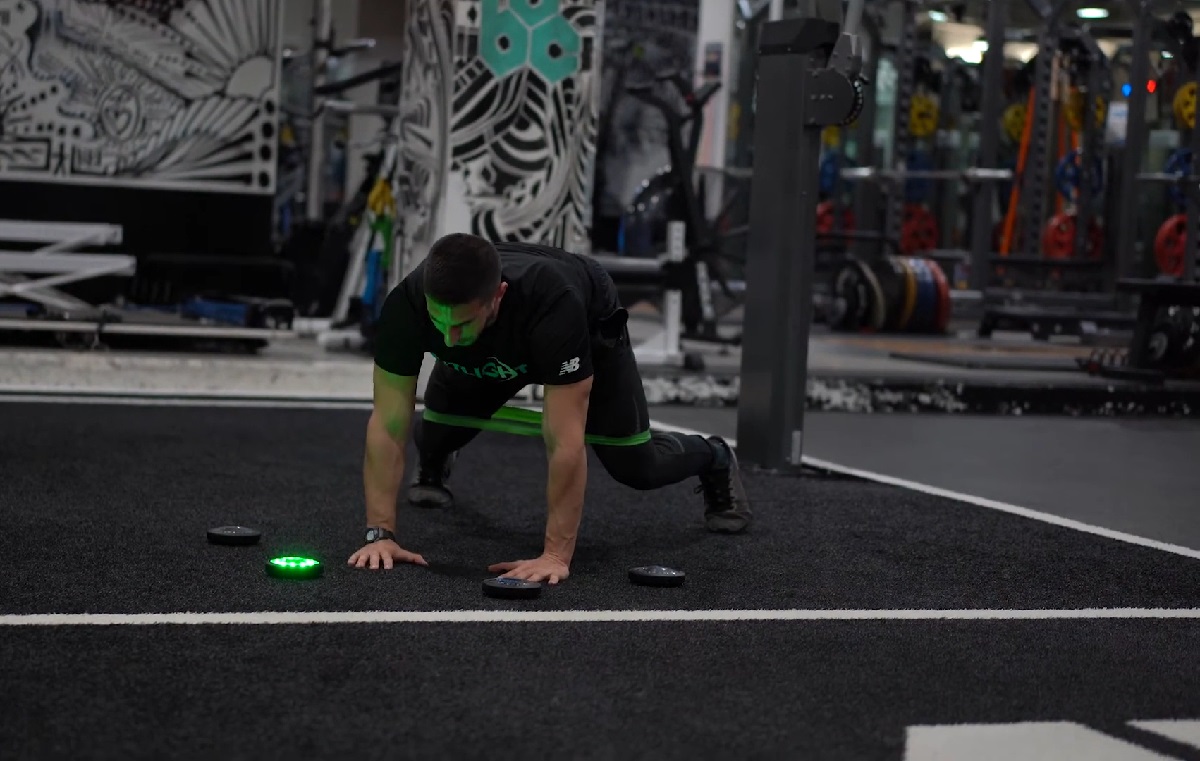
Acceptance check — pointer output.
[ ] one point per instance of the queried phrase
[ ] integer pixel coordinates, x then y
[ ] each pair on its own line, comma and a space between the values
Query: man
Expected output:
498, 318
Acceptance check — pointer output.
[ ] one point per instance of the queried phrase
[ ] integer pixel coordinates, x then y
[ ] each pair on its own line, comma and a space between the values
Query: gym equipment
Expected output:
903, 294
831, 167
918, 187
511, 589
1166, 335
904, 320
1179, 164
1058, 237
1184, 105
922, 116
826, 218
1151, 36
1014, 121
1170, 246
675, 196
234, 536
1073, 113
657, 576
808, 78
920, 230
850, 298
35, 276
295, 567
1173, 343
1069, 174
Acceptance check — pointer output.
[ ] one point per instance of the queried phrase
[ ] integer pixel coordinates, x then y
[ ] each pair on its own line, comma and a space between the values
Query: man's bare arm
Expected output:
387, 436
563, 425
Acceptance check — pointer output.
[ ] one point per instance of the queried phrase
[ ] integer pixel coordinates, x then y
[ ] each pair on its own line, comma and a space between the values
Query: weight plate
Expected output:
910, 294
1058, 237
1184, 105
878, 311
918, 231
1074, 110
926, 310
941, 320
1014, 121
890, 273
825, 218
1189, 354
920, 321
851, 298
1170, 246
1179, 163
922, 116
918, 190
914, 319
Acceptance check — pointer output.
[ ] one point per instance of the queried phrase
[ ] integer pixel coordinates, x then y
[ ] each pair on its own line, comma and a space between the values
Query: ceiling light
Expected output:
1092, 13
937, 16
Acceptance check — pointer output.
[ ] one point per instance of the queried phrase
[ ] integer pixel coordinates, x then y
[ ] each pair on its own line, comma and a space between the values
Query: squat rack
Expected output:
1132, 262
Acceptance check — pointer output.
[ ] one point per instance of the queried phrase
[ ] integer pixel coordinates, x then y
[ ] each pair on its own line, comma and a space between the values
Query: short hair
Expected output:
461, 269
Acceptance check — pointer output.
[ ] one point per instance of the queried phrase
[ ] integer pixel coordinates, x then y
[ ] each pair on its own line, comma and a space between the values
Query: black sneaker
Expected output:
429, 488
726, 508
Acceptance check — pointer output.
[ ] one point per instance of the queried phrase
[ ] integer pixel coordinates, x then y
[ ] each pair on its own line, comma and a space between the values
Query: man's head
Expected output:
463, 288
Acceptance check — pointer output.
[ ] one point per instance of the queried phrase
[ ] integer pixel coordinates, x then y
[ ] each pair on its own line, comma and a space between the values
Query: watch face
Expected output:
372, 535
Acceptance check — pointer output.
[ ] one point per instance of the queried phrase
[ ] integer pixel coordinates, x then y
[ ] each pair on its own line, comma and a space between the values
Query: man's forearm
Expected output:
565, 488
383, 472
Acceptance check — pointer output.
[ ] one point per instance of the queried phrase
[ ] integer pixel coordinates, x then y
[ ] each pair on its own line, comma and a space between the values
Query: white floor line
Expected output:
971, 499
277, 618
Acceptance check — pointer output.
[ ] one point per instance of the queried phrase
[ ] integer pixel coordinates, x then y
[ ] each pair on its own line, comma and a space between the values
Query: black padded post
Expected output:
796, 97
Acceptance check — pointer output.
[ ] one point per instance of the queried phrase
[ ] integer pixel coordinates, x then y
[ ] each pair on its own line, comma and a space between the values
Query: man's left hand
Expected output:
546, 568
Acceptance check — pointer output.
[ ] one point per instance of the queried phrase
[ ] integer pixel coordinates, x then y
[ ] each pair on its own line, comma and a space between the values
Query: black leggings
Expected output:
617, 410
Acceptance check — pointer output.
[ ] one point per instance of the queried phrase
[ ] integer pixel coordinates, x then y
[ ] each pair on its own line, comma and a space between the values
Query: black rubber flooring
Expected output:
105, 509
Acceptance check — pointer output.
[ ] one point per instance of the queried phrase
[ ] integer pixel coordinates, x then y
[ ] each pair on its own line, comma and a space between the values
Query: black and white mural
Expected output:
499, 121
163, 94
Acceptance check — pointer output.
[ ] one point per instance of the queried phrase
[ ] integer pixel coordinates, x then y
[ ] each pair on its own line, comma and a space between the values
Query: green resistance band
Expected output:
525, 422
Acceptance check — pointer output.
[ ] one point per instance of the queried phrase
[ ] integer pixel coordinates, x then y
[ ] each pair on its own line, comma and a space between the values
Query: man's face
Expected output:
461, 325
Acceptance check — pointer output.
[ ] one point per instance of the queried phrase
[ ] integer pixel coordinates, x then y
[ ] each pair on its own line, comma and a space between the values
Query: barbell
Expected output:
972, 174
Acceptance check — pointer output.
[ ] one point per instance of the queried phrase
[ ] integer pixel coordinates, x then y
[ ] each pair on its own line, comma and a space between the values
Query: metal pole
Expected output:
901, 140
1129, 253
867, 192
1090, 149
779, 270
322, 41
1191, 261
947, 194
983, 211
1034, 194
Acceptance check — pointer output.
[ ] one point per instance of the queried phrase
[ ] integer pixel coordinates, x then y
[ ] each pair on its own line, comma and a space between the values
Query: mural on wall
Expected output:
499, 119
425, 96
642, 39
164, 94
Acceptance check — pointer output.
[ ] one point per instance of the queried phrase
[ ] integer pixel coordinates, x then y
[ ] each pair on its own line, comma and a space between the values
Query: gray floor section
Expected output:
1137, 476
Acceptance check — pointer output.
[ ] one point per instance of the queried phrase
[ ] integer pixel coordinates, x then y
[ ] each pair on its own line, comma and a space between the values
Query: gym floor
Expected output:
857, 619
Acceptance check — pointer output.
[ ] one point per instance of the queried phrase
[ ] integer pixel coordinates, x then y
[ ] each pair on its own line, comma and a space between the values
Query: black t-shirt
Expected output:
543, 329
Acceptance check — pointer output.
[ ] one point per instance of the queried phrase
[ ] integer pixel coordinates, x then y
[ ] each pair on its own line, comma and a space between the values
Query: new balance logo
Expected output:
569, 366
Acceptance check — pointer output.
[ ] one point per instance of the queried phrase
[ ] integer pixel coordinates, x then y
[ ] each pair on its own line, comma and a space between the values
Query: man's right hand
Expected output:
384, 553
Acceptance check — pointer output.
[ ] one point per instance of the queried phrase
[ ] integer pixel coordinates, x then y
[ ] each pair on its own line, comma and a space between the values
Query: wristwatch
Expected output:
377, 534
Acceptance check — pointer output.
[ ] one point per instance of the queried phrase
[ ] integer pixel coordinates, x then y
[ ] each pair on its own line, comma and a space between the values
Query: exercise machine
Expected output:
1049, 274
873, 289
35, 279
675, 195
